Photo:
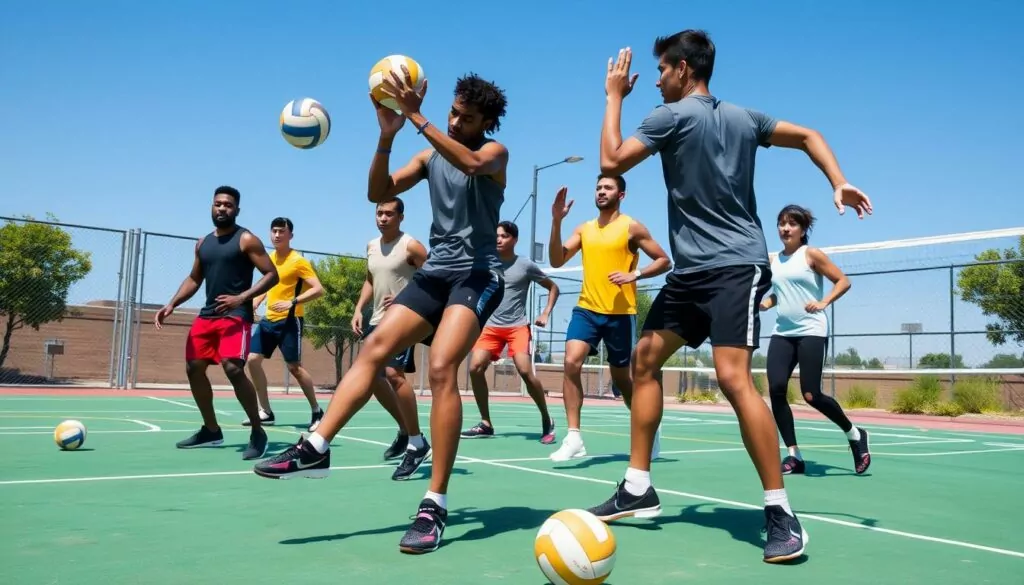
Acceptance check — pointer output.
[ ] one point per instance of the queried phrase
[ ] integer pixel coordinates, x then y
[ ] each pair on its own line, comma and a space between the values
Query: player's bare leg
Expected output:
524, 365
478, 362
572, 396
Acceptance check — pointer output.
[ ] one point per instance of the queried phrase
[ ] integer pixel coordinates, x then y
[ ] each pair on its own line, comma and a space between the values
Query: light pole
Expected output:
536, 257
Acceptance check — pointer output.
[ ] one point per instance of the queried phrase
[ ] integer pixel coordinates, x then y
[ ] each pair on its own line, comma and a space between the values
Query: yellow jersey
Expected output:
606, 250
292, 270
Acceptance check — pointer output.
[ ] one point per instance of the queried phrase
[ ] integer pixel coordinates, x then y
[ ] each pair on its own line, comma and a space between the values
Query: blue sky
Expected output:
113, 107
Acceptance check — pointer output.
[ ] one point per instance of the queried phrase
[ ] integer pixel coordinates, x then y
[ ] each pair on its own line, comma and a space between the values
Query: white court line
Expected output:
971, 452
25, 428
185, 404
159, 476
152, 428
1016, 445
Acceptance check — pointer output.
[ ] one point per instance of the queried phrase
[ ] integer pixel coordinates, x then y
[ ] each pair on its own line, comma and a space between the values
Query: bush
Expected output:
977, 395
945, 409
919, 397
761, 384
860, 397
792, 394
701, 396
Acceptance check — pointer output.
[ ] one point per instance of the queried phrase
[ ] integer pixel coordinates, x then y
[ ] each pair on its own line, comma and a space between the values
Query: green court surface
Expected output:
936, 507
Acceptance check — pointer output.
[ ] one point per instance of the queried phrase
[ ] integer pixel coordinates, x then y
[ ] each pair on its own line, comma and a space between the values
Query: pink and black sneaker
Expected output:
424, 535
299, 460
786, 537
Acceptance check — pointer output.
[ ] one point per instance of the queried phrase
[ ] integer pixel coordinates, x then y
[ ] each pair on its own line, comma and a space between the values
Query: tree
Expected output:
998, 289
644, 300
1005, 360
940, 361
329, 318
38, 265
850, 359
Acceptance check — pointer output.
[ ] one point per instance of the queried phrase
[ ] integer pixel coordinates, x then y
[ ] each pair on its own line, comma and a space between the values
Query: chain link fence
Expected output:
77, 305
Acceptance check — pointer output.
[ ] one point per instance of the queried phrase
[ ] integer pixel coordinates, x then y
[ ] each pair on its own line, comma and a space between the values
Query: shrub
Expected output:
923, 393
977, 395
860, 397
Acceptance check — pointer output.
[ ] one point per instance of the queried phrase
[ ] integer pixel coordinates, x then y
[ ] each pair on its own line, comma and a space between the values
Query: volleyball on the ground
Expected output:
382, 70
69, 435
305, 123
574, 547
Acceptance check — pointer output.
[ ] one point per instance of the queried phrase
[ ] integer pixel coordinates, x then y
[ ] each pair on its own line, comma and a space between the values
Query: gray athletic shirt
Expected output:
707, 151
464, 231
519, 273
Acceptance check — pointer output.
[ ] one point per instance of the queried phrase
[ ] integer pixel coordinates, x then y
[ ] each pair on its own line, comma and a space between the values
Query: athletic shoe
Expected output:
792, 465
623, 504
204, 437
424, 535
257, 447
397, 448
411, 461
861, 453
299, 460
547, 434
266, 418
314, 420
480, 431
569, 450
786, 537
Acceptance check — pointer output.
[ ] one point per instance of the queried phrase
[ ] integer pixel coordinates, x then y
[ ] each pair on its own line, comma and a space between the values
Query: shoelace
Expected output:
775, 528
424, 521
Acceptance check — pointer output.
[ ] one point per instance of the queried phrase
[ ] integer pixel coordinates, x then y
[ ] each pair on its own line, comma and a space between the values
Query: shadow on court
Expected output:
812, 469
486, 524
601, 460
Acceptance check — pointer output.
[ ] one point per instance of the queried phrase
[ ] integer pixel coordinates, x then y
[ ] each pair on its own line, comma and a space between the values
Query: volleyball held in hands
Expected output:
69, 435
305, 123
574, 547
382, 70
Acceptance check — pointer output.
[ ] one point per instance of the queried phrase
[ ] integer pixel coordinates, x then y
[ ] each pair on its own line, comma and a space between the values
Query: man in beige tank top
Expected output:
391, 260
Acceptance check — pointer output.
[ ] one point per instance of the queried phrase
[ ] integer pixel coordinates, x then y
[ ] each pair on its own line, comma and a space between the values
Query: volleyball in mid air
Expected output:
573, 547
305, 123
69, 435
382, 70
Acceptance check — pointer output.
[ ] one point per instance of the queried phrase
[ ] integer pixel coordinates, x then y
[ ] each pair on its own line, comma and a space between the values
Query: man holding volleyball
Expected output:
450, 297
722, 270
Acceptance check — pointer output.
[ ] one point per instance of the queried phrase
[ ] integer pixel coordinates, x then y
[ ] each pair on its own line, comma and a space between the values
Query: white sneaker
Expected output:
656, 450
569, 450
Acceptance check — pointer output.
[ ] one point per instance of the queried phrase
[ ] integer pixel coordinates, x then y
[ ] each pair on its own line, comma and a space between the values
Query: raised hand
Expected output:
619, 83
390, 121
848, 195
559, 209
400, 88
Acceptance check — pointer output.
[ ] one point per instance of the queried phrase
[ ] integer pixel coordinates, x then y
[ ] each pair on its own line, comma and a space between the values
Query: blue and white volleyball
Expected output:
69, 435
305, 123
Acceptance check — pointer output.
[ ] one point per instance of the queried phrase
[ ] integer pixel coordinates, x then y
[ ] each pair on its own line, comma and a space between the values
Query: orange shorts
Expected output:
494, 339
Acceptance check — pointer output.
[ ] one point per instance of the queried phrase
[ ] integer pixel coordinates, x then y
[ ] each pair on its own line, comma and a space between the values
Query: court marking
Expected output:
186, 405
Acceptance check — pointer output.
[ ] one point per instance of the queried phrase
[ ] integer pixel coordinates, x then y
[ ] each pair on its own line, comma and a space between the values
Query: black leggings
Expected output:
784, 353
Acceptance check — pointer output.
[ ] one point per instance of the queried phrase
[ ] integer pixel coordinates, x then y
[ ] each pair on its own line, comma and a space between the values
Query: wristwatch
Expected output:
637, 273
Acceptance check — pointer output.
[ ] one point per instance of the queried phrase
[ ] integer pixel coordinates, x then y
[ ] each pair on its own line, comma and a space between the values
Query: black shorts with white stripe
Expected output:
720, 304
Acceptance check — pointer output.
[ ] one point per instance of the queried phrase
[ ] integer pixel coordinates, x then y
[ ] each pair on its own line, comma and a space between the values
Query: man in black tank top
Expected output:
224, 259
449, 298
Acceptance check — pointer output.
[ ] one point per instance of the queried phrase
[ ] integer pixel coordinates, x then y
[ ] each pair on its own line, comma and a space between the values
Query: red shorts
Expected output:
494, 339
217, 339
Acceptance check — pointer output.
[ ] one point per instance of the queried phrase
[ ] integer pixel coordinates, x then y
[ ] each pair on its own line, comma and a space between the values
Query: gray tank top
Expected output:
466, 210
227, 270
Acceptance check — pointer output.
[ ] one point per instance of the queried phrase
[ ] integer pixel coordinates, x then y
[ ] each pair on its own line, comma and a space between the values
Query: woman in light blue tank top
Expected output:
801, 335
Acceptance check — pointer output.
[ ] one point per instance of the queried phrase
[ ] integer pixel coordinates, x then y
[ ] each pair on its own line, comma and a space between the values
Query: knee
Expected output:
294, 368
645, 364
254, 361
778, 387
195, 368
809, 397
573, 365
375, 349
441, 373
395, 378
734, 381
478, 368
234, 369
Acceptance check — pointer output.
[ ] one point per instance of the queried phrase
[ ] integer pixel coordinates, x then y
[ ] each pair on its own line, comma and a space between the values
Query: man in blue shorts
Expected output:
606, 311
721, 271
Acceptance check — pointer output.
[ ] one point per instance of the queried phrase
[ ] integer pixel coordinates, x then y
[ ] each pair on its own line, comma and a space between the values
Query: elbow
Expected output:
609, 165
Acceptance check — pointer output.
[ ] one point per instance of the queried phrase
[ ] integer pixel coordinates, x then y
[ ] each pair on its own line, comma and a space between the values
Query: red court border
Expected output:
967, 423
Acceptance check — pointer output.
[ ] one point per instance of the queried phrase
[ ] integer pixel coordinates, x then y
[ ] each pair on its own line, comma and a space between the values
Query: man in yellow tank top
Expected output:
606, 310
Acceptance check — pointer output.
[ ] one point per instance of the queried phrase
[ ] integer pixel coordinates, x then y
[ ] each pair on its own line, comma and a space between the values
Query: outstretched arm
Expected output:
788, 135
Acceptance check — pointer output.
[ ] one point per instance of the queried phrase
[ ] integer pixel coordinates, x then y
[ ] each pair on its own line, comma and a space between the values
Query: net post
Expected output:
832, 350
952, 324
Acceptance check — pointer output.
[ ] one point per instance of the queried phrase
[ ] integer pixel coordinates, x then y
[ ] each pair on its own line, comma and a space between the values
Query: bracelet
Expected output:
383, 151
420, 129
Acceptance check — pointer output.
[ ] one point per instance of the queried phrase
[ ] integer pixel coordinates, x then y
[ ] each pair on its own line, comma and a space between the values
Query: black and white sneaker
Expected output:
266, 418
397, 448
786, 537
623, 504
204, 437
411, 461
424, 535
478, 431
299, 460
861, 452
257, 447
314, 420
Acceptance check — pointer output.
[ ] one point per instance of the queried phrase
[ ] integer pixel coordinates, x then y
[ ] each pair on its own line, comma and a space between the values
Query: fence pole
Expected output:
832, 373
137, 336
952, 325
117, 311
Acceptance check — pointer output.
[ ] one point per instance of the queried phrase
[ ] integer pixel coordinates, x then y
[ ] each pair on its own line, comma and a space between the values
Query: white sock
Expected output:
637, 481
574, 436
439, 499
795, 452
318, 442
853, 434
417, 442
777, 498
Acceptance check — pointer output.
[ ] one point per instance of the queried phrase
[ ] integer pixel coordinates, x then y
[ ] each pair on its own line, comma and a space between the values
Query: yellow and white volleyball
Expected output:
382, 70
305, 123
573, 547
69, 435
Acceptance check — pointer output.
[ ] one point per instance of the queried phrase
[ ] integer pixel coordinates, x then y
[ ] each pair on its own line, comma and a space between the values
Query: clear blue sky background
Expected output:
128, 114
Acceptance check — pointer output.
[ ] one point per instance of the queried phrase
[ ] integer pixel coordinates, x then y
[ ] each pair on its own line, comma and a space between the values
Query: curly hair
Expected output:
485, 95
